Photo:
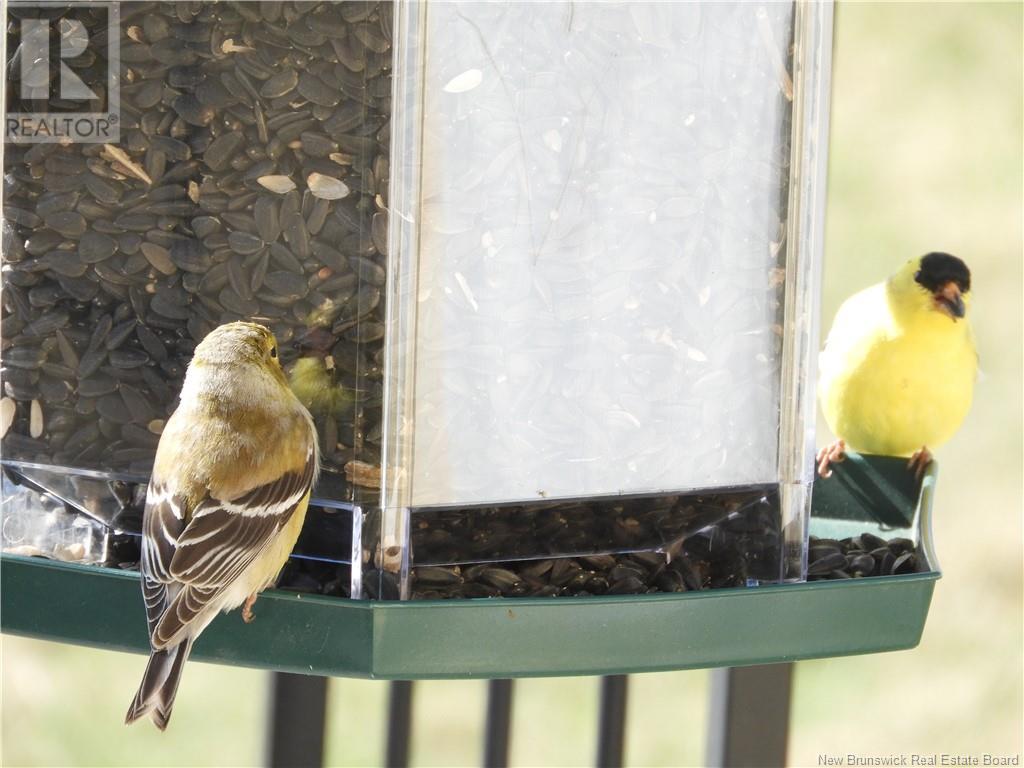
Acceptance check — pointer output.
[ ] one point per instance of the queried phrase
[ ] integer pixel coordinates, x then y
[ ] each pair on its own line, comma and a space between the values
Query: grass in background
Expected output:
64, 705
926, 155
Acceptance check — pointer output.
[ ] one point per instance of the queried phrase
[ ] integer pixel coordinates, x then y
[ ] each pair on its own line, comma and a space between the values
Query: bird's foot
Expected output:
830, 454
919, 462
247, 614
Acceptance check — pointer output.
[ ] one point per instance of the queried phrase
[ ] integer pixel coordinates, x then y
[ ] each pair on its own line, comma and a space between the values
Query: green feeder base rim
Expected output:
495, 637
522, 637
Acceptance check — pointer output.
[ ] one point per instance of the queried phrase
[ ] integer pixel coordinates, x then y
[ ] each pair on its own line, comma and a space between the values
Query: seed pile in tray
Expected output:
250, 182
727, 554
445, 536
860, 556
704, 561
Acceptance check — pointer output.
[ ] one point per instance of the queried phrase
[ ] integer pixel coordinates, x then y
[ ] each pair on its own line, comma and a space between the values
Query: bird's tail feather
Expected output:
159, 686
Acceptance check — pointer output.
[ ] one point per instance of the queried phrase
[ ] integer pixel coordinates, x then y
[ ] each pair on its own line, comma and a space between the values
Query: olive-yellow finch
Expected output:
898, 369
226, 500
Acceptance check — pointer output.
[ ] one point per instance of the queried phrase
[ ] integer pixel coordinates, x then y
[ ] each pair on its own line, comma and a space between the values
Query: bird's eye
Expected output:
273, 352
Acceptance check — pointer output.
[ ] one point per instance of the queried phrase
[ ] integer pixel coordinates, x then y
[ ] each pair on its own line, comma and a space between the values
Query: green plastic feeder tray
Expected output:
523, 637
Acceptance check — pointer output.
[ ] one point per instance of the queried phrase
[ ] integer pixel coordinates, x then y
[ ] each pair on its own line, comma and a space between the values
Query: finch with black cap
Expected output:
898, 369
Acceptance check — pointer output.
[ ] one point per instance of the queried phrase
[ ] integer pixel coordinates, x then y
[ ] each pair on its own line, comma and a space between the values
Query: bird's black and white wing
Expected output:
221, 539
162, 524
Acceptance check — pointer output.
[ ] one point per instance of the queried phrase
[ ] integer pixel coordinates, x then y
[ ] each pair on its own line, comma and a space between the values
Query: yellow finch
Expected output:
226, 500
898, 368
313, 382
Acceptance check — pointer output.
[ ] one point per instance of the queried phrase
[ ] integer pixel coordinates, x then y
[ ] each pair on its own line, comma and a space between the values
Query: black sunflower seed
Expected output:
286, 284
190, 255
243, 243
68, 223
282, 83
192, 111
159, 257
96, 386
220, 151
317, 91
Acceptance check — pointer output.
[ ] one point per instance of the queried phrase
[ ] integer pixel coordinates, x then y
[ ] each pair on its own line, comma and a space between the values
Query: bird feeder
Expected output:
546, 276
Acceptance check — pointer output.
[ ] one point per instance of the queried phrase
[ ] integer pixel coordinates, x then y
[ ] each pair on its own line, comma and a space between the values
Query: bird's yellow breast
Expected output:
891, 387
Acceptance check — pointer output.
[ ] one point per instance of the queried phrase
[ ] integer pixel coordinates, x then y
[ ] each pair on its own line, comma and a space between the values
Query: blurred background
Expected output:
926, 154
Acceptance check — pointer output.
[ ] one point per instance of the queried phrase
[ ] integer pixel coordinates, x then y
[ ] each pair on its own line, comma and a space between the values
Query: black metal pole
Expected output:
748, 721
499, 720
611, 728
297, 718
399, 724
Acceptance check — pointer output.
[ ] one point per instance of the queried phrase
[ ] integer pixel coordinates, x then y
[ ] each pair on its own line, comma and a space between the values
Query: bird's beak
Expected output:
949, 300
